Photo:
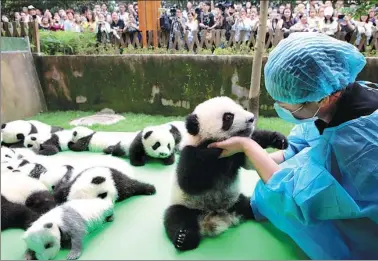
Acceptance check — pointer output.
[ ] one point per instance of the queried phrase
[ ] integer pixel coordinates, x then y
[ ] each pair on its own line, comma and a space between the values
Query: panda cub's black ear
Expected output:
147, 134
192, 124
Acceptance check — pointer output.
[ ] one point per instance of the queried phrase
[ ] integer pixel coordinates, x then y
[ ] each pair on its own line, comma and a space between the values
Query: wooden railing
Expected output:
22, 29
216, 38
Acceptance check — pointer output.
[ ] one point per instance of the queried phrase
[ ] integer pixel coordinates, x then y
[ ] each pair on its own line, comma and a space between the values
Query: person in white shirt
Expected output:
330, 25
242, 23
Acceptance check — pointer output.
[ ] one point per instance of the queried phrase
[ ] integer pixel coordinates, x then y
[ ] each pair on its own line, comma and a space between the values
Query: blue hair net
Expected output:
306, 67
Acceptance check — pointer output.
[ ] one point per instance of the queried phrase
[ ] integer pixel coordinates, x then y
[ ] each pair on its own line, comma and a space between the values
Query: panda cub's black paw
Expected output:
280, 141
150, 190
187, 240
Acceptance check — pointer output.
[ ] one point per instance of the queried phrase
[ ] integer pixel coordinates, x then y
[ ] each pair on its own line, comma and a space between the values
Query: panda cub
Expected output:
55, 177
85, 139
14, 132
15, 215
66, 227
49, 143
27, 191
101, 182
23, 166
155, 142
206, 198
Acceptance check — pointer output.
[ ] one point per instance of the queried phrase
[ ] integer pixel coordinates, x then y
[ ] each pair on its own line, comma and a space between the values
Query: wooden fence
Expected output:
200, 40
22, 29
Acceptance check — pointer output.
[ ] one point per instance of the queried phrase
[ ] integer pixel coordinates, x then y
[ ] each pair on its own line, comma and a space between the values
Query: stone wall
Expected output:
151, 84
21, 93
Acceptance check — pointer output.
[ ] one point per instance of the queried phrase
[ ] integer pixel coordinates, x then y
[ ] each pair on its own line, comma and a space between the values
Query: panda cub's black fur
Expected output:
206, 197
14, 215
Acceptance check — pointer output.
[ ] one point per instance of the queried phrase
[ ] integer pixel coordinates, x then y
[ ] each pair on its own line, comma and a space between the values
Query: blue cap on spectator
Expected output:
307, 67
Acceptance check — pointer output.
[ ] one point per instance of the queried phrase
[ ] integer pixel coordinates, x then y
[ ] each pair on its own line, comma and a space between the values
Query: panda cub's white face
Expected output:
158, 142
7, 154
218, 119
15, 131
33, 141
43, 238
80, 132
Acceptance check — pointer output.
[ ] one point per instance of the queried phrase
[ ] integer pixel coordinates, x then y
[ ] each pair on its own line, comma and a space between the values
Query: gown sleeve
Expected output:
306, 194
297, 141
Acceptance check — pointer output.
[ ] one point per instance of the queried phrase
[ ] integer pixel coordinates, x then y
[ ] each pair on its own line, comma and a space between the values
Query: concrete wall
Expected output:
152, 84
21, 93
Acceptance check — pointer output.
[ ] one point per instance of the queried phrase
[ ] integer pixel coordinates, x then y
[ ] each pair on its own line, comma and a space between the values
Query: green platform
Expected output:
138, 233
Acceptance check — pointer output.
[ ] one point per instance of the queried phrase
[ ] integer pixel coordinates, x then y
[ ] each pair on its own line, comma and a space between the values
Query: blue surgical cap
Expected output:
307, 67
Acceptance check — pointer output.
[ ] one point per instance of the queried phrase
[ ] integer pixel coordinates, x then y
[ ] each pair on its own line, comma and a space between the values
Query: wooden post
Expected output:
148, 19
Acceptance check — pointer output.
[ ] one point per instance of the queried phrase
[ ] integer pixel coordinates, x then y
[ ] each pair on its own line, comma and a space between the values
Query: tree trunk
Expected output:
254, 91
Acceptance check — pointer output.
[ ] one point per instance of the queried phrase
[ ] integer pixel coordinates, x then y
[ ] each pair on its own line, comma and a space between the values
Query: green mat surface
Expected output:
138, 233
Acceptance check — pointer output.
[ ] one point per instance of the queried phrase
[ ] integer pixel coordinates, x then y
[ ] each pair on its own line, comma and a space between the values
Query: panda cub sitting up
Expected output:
206, 198
158, 142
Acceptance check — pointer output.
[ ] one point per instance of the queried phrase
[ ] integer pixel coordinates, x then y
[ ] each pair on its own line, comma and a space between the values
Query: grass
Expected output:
135, 122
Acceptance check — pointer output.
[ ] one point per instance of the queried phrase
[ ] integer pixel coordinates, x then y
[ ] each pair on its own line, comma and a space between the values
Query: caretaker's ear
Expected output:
192, 124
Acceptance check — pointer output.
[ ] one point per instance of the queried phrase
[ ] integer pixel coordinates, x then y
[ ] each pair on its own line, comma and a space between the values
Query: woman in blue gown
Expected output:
327, 201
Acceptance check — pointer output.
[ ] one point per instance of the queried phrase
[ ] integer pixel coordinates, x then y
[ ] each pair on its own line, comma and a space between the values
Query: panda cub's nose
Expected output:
163, 154
251, 120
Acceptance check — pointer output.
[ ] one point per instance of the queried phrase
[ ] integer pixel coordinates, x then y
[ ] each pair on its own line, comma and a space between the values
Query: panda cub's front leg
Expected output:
182, 228
170, 160
271, 139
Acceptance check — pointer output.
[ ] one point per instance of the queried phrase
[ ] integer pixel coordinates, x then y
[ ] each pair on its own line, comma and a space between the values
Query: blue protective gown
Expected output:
329, 204
301, 139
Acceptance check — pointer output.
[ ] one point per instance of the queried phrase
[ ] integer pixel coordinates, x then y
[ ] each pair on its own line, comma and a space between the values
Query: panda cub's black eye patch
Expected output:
8, 156
156, 146
48, 245
227, 121
169, 146
75, 133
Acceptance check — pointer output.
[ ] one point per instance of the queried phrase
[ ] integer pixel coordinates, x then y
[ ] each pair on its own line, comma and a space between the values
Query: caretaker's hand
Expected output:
230, 146
258, 157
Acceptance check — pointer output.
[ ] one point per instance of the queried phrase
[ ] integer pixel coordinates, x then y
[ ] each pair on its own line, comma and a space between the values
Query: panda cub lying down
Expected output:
206, 198
13, 133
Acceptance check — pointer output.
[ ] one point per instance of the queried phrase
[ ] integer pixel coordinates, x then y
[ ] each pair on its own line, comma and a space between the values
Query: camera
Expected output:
173, 10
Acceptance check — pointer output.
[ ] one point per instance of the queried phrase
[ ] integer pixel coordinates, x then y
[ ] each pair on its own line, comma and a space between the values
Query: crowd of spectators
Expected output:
304, 16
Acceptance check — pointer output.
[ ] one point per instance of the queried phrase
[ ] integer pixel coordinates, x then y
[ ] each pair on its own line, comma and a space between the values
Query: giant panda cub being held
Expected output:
206, 197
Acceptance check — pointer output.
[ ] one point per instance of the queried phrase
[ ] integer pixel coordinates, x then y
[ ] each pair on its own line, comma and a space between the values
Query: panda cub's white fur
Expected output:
7, 154
49, 143
65, 227
85, 139
27, 191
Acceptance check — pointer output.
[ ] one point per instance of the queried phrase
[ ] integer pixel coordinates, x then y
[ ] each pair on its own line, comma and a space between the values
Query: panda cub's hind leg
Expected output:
182, 228
243, 208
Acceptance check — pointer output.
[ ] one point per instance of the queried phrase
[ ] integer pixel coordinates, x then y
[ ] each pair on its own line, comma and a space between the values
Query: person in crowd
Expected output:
206, 19
24, 17
102, 29
77, 24
364, 27
281, 10
313, 21
302, 25
287, 22
242, 23
45, 24
188, 9
69, 23
330, 25
17, 16
55, 24
90, 24
275, 21
191, 25
123, 15
117, 25
346, 26
104, 10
